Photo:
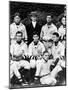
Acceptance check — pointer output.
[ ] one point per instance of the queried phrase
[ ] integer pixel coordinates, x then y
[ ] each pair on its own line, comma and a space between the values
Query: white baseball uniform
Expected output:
17, 50
35, 50
14, 28
47, 31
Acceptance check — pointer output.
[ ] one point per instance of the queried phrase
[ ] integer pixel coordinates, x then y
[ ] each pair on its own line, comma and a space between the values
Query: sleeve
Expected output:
11, 36
30, 50
62, 50
55, 29
43, 48
12, 49
59, 31
24, 33
25, 50
42, 33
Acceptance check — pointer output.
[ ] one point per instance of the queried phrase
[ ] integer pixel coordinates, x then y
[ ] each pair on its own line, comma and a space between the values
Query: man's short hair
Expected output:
50, 40
17, 14
56, 34
35, 33
49, 14
19, 32
45, 52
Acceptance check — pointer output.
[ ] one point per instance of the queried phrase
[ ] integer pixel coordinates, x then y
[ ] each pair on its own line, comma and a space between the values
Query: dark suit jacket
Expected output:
30, 29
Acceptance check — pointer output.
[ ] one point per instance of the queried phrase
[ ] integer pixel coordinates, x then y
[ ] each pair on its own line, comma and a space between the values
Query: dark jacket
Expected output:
30, 29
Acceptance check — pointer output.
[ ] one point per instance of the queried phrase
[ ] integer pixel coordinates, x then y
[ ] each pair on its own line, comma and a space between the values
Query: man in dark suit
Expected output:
33, 26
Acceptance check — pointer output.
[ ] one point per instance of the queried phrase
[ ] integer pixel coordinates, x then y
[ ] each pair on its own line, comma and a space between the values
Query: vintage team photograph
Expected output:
37, 44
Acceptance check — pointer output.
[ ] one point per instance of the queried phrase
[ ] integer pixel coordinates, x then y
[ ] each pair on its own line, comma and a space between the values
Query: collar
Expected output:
37, 43
17, 25
49, 25
22, 42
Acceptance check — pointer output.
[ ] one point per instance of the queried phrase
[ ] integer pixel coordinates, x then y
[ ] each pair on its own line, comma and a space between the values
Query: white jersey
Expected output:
18, 49
57, 51
47, 31
45, 69
14, 28
35, 50
61, 31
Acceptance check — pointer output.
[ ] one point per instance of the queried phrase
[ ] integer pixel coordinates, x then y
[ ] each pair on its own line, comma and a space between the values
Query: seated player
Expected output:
45, 74
48, 77
56, 49
18, 51
36, 49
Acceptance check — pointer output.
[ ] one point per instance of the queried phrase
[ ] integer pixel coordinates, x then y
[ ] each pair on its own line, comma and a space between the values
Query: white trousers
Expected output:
37, 64
16, 65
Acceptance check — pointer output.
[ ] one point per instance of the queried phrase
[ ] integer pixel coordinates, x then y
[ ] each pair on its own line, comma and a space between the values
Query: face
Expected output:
35, 38
63, 21
18, 37
46, 56
55, 38
50, 44
33, 19
48, 18
16, 19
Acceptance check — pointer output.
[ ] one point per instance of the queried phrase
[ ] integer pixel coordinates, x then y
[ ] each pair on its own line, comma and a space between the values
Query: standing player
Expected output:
47, 30
17, 26
18, 51
33, 26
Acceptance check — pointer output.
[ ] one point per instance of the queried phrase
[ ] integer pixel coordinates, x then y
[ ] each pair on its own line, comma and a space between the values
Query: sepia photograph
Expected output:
37, 44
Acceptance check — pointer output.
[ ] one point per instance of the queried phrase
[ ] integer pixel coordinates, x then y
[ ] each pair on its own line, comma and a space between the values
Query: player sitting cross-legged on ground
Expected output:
18, 51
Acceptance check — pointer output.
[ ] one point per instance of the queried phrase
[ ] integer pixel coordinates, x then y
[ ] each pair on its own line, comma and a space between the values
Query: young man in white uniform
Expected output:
58, 52
36, 49
48, 29
17, 26
57, 48
18, 51
46, 76
45, 73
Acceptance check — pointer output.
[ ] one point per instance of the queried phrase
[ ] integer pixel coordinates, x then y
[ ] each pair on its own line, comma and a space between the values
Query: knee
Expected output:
27, 65
32, 63
38, 63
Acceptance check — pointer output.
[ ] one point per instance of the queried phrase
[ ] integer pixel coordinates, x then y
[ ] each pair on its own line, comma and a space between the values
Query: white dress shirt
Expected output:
34, 24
